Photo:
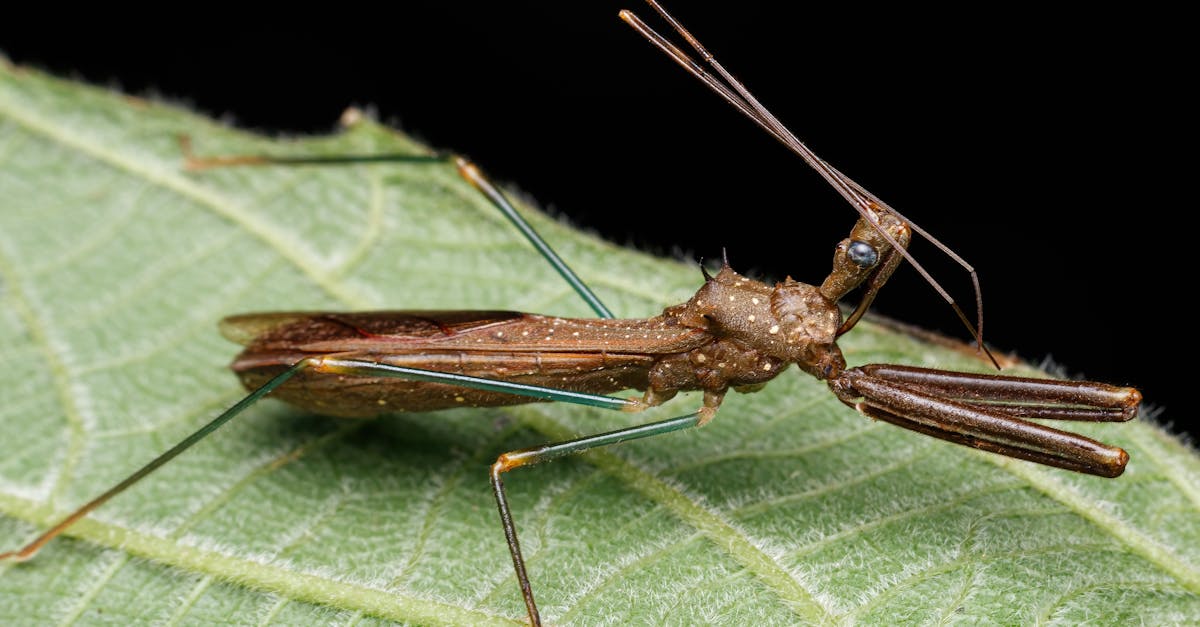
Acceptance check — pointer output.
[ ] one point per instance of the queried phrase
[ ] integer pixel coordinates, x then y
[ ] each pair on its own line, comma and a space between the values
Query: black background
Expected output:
1043, 147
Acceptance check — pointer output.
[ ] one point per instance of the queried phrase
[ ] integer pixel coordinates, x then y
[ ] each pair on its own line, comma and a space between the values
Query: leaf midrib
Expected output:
279, 577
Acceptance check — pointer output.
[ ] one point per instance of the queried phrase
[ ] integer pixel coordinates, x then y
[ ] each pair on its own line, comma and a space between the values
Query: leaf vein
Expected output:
373, 231
296, 252
65, 392
189, 601
828, 488
969, 493
94, 586
1139, 543
1175, 471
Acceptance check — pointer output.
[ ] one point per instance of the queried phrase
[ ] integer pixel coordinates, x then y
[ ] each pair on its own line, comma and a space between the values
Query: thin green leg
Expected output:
364, 368
331, 365
504, 463
485, 187
466, 169
32, 548
535, 455
523, 457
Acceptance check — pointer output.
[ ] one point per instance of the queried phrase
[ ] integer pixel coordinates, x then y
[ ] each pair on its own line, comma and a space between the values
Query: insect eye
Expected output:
862, 254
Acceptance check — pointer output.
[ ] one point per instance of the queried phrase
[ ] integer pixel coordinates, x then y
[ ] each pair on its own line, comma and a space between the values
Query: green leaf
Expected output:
115, 266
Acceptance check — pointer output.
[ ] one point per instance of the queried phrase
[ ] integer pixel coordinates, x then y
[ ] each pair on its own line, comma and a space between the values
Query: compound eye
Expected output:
862, 254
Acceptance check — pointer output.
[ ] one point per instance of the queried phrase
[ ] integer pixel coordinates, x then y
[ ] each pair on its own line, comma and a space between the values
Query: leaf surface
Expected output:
115, 266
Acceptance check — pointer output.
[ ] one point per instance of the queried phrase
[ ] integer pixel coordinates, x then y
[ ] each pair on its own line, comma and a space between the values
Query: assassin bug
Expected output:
735, 332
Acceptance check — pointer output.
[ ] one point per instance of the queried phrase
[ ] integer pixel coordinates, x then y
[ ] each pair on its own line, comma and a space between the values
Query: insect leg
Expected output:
493, 194
366, 368
1023, 397
466, 169
975, 424
525, 457
868, 206
319, 364
33, 547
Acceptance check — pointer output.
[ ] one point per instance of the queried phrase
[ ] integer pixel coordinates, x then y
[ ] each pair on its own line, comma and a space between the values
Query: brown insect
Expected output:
735, 332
